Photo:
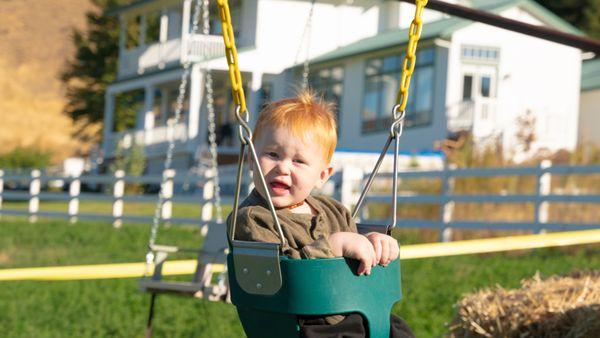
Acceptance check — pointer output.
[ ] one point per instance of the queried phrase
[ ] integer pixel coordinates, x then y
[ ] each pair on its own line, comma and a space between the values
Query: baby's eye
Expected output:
272, 154
300, 161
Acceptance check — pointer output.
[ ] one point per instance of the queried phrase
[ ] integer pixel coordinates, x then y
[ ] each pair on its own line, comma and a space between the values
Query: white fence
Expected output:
195, 189
345, 186
447, 199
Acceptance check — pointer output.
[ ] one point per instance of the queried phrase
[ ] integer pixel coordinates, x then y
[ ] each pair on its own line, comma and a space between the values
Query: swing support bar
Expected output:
582, 42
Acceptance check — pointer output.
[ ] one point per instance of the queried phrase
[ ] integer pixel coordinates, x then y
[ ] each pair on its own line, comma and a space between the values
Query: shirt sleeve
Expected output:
259, 227
319, 248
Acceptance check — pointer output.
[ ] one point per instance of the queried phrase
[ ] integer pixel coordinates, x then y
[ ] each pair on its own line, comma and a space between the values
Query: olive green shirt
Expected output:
306, 234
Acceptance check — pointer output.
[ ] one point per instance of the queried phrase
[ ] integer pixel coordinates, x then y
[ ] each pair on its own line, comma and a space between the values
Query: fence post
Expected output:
350, 176
446, 206
1, 190
74, 190
208, 193
166, 209
118, 191
34, 195
542, 206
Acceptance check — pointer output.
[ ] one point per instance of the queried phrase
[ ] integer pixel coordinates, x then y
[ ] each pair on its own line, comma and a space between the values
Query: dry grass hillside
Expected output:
35, 43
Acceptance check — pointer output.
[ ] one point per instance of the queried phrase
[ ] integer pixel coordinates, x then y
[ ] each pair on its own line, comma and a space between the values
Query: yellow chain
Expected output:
235, 76
414, 33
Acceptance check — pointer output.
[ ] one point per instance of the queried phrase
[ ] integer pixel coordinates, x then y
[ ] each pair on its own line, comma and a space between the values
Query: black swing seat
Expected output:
309, 287
212, 253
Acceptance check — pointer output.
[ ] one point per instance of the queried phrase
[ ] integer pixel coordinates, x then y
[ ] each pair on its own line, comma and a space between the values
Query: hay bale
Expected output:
560, 306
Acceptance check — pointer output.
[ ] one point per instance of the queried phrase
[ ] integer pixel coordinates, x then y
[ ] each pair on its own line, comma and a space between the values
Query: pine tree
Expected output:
94, 65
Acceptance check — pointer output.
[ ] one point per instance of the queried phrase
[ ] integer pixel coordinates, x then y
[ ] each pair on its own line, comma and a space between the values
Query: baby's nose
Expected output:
283, 167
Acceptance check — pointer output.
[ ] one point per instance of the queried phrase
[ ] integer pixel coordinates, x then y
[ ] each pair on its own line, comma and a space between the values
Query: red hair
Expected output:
305, 116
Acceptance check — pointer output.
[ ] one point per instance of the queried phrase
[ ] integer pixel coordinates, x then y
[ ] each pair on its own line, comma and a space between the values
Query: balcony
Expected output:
155, 141
478, 116
196, 48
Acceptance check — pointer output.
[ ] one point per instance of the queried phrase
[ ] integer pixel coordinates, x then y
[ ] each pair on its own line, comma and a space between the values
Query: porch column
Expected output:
185, 29
164, 27
254, 97
107, 130
122, 37
196, 134
147, 118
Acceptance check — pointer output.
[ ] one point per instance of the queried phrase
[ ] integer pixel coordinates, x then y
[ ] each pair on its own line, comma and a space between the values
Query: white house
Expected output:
589, 119
469, 76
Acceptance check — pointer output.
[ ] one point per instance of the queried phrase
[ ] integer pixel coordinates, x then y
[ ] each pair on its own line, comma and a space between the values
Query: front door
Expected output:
479, 91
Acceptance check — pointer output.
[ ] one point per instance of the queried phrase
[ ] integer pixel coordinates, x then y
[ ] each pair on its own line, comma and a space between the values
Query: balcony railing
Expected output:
204, 47
477, 115
154, 140
198, 48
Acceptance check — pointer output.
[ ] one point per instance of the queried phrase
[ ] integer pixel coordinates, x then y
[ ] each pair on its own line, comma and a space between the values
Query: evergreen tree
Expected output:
583, 14
94, 66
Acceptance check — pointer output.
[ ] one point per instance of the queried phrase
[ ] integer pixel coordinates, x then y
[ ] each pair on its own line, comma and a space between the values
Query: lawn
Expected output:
115, 308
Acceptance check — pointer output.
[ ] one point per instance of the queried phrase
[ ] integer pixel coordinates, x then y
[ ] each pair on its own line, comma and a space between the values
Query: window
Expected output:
132, 31
329, 82
152, 27
382, 80
127, 106
235, 9
479, 53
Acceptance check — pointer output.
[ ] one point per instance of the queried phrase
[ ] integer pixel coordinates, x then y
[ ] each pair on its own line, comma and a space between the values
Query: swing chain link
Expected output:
306, 37
235, 76
408, 66
398, 114
150, 256
210, 108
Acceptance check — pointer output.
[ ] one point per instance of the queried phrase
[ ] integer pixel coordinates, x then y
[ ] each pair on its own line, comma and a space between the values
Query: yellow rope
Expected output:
185, 267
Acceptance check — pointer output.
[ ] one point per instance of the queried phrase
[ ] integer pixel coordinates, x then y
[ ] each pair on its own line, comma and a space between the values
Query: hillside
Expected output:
35, 40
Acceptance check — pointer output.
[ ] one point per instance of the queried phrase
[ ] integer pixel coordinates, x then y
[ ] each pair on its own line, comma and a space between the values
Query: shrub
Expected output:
25, 158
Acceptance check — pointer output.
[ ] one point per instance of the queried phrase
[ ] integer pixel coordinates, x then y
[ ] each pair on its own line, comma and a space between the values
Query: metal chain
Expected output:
414, 33
306, 36
243, 118
398, 112
237, 88
210, 108
171, 146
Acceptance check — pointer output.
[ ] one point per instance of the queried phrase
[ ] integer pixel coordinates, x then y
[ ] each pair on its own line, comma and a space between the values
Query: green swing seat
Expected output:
318, 287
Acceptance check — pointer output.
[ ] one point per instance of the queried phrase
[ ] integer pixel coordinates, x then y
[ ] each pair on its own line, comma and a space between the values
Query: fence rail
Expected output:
28, 188
347, 184
448, 198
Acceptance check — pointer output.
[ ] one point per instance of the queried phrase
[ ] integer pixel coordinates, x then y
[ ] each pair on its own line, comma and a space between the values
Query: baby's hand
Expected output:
386, 247
353, 245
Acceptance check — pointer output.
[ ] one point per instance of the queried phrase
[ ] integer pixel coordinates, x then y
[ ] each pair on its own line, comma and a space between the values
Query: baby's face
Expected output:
292, 167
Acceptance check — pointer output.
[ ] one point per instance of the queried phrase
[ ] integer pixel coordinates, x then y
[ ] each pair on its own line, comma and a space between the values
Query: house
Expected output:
469, 76
589, 118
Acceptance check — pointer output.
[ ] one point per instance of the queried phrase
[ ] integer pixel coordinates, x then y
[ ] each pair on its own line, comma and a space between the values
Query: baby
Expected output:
295, 139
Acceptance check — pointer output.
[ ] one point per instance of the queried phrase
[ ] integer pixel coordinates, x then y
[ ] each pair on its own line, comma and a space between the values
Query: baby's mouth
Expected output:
279, 188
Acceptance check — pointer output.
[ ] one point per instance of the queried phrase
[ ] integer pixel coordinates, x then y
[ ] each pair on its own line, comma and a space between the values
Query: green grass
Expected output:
115, 308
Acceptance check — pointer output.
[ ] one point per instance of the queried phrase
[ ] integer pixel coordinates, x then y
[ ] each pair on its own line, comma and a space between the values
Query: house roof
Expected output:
590, 74
443, 29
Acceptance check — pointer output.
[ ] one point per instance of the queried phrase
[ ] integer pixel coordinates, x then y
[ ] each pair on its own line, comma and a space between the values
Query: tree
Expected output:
94, 66
583, 14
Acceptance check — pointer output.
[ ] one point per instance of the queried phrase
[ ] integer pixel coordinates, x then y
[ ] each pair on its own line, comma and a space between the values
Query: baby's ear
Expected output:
325, 175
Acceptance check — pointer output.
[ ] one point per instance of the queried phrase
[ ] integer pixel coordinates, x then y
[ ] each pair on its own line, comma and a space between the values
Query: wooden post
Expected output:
350, 177
542, 207
118, 192
1, 190
167, 191
34, 195
74, 190
208, 193
446, 206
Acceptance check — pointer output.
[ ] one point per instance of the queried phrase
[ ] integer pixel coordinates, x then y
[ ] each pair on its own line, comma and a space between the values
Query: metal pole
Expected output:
582, 42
